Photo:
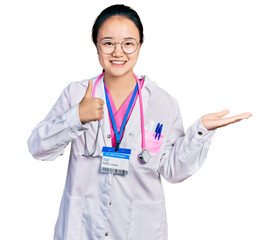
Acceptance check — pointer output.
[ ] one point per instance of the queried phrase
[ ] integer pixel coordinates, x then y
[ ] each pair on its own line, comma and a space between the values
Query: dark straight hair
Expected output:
116, 10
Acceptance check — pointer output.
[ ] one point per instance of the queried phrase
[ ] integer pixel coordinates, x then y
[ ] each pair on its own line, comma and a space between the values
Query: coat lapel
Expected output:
133, 126
105, 127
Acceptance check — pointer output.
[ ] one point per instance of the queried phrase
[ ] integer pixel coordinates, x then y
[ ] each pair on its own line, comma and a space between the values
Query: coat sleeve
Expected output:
61, 126
184, 153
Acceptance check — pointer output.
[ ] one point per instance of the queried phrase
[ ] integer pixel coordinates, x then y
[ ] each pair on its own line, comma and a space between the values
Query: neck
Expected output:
126, 81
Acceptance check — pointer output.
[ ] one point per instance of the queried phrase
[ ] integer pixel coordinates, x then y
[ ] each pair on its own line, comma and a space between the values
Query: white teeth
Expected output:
118, 62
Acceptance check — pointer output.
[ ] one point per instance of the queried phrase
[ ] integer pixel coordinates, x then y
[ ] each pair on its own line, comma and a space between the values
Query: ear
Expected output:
97, 49
140, 46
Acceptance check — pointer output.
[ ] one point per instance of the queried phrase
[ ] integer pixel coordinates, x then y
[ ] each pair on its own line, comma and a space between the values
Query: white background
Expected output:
210, 55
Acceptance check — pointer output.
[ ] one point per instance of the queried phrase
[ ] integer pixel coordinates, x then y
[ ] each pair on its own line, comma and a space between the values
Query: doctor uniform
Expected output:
98, 205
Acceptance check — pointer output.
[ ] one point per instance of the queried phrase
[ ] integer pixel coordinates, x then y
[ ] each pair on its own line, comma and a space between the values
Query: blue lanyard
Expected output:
118, 135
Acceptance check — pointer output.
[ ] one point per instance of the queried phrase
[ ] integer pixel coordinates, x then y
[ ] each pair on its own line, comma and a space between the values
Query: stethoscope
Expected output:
144, 156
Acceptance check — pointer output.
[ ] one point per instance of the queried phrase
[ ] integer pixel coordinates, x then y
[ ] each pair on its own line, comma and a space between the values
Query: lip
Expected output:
118, 62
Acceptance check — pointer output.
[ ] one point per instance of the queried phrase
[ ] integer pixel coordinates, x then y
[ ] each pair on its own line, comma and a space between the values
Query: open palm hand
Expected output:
217, 120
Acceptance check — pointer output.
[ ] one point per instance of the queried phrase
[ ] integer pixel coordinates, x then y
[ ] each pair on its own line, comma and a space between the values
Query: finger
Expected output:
247, 115
222, 113
100, 115
100, 107
89, 89
99, 101
242, 116
236, 118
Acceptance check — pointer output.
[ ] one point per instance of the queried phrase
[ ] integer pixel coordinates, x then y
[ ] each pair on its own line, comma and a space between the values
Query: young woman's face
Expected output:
118, 29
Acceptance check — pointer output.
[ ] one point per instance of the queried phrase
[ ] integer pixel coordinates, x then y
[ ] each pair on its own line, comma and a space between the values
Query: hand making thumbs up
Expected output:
90, 109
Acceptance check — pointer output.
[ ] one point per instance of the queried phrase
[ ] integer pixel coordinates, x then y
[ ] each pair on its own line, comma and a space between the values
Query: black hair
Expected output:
116, 10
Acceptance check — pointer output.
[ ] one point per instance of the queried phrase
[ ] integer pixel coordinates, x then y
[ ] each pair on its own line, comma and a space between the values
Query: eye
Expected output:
129, 43
107, 43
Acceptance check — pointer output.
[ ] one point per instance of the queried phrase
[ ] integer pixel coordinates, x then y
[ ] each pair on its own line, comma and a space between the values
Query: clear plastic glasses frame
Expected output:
108, 46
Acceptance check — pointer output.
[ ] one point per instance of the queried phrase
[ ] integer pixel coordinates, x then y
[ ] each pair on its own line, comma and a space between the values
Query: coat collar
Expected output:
148, 84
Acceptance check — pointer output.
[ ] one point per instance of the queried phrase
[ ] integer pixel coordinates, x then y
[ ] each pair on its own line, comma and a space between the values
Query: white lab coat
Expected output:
97, 205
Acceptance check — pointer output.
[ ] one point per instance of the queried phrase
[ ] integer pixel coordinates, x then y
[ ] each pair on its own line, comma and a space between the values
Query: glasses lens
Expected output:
129, 46
107, 46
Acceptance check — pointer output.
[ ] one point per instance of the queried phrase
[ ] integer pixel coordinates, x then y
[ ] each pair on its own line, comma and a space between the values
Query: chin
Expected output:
118, 72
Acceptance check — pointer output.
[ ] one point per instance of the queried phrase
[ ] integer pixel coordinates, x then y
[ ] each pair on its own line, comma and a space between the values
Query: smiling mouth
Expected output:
119, 63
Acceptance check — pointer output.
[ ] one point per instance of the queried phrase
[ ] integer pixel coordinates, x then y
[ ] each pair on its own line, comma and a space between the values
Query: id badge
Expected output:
115, 162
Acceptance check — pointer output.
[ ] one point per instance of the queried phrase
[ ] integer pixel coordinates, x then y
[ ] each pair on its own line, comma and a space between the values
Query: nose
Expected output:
118, 52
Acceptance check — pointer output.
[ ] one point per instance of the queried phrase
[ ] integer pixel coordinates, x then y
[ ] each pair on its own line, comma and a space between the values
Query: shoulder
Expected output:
75, 91
159, 95
79, 85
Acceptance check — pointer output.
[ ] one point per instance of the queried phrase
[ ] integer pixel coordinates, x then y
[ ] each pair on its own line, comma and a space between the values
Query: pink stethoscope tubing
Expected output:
141, 106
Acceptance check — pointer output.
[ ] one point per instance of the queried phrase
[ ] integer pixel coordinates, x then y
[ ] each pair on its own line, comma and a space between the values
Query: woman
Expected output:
136, 126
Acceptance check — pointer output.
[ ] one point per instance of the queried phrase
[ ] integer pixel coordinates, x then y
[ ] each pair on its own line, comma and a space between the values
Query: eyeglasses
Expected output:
128, 46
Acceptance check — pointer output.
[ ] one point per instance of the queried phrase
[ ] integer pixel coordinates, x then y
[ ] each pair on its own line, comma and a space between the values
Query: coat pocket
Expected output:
69, 222
153, 145
147, 220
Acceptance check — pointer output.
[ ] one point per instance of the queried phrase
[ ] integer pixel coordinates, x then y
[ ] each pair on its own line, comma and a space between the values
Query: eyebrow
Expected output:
126, 38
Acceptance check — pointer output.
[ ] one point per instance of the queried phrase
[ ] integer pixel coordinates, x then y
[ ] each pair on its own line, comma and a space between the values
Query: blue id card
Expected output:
115, 162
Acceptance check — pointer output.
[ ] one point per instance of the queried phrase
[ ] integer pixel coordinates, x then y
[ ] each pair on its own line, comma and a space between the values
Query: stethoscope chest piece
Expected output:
144, 156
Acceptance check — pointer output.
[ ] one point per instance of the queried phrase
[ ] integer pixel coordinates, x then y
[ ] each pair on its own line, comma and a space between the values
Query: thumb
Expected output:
89, 89
223, 113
